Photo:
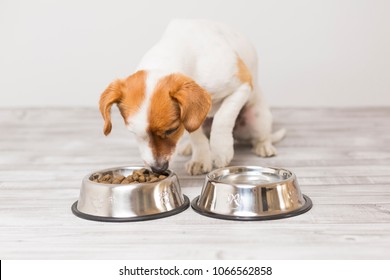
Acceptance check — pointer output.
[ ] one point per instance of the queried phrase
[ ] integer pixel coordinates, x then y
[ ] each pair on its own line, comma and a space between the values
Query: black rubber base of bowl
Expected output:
175, 211
306, 207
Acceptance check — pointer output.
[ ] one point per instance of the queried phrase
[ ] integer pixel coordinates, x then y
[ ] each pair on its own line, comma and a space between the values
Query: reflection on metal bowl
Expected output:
129, 202
251, 193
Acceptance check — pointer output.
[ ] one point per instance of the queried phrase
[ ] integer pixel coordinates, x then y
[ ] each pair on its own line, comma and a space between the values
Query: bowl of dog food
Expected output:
129, 193
250, 193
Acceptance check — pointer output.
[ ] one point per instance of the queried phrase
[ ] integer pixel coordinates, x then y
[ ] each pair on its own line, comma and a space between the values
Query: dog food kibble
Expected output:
118, 180
138, 176
106, 178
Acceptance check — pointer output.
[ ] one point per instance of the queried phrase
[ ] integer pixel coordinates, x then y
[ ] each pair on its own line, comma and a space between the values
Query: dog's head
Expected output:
157, 109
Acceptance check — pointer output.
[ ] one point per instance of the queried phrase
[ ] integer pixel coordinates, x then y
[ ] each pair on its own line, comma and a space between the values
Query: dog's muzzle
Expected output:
160, 167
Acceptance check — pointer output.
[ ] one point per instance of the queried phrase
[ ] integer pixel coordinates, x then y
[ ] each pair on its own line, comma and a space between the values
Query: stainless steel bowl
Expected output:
129, 202
251, 193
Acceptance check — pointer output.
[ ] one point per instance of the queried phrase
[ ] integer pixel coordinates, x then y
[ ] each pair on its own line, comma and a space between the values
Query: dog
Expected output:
199, 69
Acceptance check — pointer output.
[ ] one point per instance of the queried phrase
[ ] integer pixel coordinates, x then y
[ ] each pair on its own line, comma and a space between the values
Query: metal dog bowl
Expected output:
129, 202
251, 193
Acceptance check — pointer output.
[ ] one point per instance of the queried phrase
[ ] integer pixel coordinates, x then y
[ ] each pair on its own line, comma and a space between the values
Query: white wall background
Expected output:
313, 53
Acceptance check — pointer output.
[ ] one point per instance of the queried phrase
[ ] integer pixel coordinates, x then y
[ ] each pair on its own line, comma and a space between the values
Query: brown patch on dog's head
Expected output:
243, 73
177, 104
128, 94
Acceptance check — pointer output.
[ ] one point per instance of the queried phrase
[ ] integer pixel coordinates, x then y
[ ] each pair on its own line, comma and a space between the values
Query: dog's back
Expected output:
205, 50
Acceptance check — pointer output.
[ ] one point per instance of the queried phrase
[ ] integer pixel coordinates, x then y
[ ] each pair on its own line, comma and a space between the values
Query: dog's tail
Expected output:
278, 135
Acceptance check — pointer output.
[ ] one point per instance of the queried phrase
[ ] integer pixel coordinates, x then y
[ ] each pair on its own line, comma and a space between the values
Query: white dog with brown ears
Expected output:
198, 69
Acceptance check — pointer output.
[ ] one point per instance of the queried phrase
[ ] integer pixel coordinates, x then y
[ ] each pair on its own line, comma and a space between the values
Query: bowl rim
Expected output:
289, 179
86, 177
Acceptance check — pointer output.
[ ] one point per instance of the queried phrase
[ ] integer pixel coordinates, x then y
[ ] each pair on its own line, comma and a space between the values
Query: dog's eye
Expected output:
170, 131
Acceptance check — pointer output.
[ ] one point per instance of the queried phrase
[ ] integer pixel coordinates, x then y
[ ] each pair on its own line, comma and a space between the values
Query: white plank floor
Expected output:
341, 158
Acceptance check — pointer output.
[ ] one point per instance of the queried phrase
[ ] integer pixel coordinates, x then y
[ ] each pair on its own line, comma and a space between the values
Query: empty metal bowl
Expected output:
251, 193
129, 202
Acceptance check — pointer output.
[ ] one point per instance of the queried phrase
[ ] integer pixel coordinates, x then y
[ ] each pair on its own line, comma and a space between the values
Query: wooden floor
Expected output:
340, 156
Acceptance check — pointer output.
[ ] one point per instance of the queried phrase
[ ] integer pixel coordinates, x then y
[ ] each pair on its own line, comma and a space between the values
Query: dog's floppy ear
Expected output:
111, 95
193, 100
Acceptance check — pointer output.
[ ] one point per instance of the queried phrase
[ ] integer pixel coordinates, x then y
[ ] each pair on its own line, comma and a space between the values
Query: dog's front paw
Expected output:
222, 150
222, 158
264, 149
194, 167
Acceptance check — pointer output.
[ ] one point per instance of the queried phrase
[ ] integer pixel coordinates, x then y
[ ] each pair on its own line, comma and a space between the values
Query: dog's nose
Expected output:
160, 168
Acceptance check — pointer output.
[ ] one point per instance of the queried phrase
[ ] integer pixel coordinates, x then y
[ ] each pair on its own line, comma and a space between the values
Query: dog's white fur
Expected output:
207, 52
